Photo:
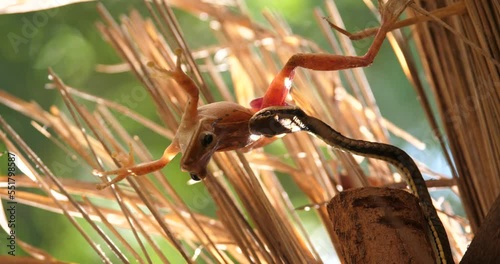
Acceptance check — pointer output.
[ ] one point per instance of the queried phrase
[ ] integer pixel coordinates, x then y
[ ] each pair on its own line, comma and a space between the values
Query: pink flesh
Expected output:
276, 93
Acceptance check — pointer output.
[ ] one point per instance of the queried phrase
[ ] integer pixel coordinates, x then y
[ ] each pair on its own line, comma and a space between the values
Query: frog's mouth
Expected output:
196, 162
196, 175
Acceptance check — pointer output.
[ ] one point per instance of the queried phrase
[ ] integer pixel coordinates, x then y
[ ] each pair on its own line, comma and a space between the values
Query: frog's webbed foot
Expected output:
128, 168
125, 161
179, 76
169, 73
391, 10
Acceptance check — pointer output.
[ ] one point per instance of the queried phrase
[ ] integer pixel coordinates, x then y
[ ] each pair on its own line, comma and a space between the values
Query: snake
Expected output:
277, 120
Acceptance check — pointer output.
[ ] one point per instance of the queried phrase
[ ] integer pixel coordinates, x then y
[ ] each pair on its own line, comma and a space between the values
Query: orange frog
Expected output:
223, 126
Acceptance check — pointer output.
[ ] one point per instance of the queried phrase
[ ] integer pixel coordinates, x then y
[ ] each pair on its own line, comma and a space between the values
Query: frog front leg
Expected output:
280, 86
188, 122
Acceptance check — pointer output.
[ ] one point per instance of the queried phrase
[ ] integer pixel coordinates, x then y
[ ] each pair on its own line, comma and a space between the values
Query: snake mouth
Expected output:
264, 123
274, 121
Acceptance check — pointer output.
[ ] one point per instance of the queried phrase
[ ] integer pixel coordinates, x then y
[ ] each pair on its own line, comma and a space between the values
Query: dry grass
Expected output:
256, 221
463, 67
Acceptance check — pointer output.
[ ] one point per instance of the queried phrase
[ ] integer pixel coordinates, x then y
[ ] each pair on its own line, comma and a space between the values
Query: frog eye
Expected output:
206, 139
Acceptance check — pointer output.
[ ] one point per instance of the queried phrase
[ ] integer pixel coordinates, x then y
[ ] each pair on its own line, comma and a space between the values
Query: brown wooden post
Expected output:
380, 225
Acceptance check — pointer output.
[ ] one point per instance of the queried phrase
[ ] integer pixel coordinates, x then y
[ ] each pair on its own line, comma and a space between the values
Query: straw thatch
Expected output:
462, 65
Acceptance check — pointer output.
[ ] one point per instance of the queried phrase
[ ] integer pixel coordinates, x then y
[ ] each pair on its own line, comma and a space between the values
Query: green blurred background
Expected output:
66, 39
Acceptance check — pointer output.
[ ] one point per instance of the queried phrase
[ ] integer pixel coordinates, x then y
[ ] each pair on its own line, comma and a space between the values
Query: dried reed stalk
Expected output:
463, 65
256, 221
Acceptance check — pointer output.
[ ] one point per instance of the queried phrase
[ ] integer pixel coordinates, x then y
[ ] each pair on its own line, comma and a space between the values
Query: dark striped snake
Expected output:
274, 121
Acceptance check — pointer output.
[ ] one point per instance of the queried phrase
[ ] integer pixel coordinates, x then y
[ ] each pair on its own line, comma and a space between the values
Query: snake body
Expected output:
273, 121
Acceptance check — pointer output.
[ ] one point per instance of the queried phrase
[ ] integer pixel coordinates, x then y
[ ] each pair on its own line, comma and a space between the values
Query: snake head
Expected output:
276, 120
